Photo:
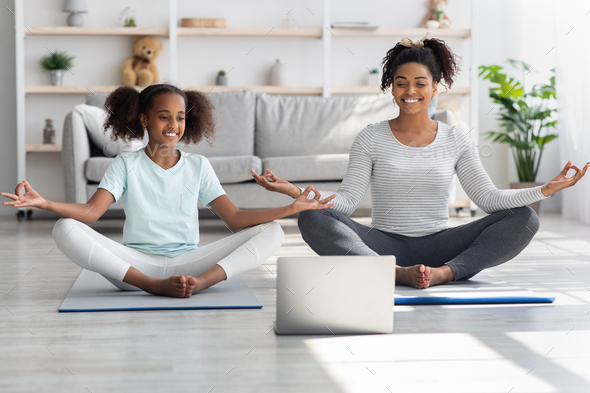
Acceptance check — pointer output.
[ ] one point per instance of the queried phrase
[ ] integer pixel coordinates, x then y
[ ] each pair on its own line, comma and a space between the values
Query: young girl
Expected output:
409, 162
158, 187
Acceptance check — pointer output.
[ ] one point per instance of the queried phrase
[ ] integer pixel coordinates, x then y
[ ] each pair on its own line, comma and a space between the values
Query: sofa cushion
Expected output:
299, 126
95, 167
308, 168
234, 117
235, 169
234, 130
228, 169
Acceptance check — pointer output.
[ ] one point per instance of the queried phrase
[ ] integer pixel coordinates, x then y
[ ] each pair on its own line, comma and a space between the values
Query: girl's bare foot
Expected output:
174, 286
416, 276
191, 282
201, 283
211, 277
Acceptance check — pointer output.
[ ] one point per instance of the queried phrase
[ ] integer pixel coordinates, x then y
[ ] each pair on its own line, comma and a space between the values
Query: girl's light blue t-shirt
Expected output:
161, 204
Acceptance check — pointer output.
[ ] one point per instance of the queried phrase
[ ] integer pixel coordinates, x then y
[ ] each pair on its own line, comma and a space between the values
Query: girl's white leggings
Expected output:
237, 253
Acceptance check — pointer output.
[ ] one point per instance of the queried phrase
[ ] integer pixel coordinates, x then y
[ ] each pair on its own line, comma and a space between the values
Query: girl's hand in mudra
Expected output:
561, 181
303, 203
30, 197
273, 183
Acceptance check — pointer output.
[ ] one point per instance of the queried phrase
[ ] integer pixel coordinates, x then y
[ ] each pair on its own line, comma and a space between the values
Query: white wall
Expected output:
521, 30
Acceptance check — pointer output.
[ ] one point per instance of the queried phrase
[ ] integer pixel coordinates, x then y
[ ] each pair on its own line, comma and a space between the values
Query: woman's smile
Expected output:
411, 101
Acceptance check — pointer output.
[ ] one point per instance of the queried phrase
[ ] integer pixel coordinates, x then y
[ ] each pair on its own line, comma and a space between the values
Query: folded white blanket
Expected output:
94, 119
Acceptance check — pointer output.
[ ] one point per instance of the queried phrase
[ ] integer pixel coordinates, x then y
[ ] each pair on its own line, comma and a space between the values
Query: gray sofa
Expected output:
304, 140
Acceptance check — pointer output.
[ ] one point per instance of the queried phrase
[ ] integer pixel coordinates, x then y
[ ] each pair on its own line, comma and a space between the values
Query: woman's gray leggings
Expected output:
467, 249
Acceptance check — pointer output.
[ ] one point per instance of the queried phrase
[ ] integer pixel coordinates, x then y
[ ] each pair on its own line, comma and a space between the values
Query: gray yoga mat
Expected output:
92, 292
481, 289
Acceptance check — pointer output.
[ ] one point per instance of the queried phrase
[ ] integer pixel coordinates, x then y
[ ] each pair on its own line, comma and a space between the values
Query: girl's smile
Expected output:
171, 135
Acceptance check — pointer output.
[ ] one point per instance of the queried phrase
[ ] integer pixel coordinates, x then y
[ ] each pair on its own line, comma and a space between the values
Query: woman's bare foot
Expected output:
420, 276
412, 276
174, 286
439, 275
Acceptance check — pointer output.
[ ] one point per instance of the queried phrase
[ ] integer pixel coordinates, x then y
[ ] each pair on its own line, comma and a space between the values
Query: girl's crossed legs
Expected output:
459, 252
235, 254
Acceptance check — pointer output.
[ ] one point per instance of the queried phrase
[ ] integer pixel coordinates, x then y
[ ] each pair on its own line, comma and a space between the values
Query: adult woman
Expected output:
409, 162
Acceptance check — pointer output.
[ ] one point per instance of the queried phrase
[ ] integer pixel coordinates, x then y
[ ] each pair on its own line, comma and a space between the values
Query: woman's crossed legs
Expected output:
180, 276
456, 253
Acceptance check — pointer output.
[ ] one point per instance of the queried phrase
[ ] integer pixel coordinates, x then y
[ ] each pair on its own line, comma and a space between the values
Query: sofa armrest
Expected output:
446, 116
75, 152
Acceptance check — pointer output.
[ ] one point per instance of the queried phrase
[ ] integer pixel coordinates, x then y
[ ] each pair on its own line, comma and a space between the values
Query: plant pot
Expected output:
221, 80
515, 186
56, 77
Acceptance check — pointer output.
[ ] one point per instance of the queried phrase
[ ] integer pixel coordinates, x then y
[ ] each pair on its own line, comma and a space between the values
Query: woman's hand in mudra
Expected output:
273, 183
303, 203
561, 181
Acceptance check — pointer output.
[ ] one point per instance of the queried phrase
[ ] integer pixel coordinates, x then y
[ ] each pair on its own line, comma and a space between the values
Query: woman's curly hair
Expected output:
435, 55
124, 105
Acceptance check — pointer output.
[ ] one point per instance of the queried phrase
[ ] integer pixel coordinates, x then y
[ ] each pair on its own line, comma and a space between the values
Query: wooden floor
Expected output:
524, 348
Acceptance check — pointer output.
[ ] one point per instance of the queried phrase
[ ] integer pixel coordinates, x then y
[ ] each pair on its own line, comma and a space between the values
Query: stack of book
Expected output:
354, 25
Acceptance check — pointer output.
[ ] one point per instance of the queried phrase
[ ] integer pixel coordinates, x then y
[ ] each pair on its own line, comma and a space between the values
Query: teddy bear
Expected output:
140, 69
436, 17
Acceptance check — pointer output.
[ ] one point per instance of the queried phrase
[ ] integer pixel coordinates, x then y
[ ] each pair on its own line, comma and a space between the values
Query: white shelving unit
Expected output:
172, 32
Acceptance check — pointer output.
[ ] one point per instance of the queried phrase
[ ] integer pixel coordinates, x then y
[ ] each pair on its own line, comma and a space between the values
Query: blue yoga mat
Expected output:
479, 290
92, 292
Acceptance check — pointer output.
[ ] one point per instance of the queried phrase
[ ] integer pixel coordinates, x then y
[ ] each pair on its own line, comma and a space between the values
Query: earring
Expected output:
394, 104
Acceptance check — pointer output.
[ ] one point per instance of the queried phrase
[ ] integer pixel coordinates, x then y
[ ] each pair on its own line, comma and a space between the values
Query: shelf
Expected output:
68, 30
457, 90
461, 90
49, 89
228, 32
417, 32
42, 148
295, 90
269, 32
288, 90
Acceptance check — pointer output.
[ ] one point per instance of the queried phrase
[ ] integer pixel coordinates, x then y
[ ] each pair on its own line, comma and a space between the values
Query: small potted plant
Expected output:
56, 63
128, 17
374, 77
527, 118
221, 78
130, 22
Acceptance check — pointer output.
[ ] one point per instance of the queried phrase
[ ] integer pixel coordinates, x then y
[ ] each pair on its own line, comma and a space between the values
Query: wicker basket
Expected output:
203, 22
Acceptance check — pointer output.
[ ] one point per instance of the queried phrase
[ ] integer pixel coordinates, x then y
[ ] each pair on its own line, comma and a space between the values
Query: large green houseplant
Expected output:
527, 117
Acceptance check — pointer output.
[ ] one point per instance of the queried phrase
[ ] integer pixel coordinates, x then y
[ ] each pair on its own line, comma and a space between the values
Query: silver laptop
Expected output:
335, 295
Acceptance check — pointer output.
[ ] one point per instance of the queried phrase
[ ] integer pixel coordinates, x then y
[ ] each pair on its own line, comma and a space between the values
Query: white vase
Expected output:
221, 80
279, 75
